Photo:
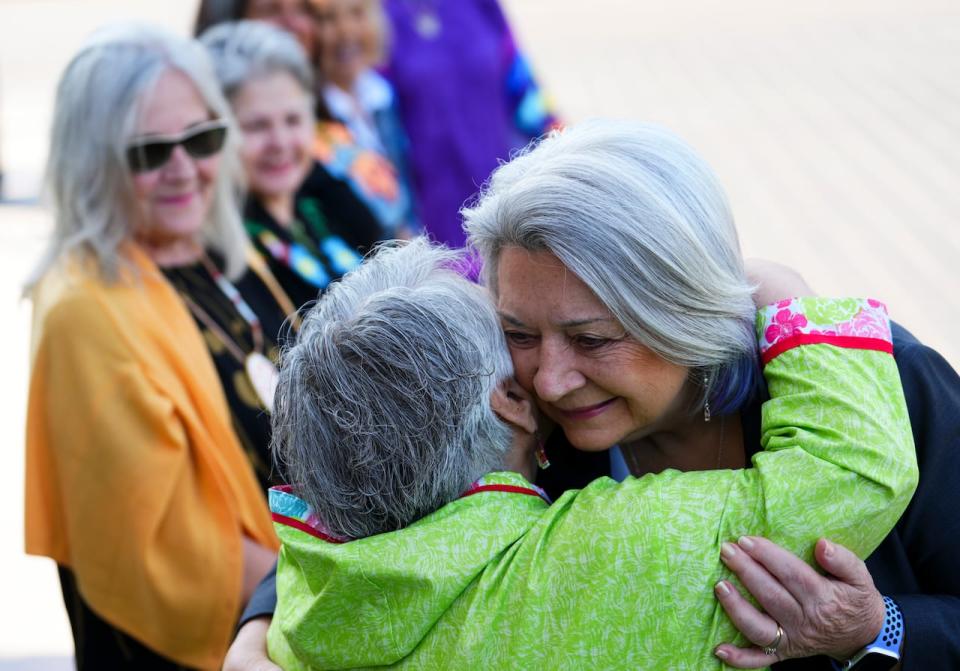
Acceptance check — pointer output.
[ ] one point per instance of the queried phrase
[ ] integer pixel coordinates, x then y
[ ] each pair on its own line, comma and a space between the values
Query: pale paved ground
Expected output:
836, 132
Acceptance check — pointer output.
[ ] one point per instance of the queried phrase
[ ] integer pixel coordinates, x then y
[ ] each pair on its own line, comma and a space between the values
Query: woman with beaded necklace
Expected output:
153, 344
309, 227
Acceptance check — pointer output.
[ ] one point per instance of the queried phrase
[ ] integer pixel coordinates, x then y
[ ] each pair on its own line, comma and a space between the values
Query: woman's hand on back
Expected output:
835, 615
249, 649
775, 281
257, 563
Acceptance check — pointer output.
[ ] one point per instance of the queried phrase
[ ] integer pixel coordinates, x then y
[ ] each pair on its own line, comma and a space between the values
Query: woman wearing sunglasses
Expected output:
151, 361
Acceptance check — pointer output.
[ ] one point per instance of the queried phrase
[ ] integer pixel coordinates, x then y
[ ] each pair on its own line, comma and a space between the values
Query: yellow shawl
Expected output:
135, 479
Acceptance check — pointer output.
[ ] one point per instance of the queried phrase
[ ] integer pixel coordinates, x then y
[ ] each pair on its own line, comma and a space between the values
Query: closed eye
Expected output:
520, 339
589, 343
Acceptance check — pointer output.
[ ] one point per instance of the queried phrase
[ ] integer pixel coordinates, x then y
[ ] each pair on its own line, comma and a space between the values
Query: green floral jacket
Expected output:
614, 575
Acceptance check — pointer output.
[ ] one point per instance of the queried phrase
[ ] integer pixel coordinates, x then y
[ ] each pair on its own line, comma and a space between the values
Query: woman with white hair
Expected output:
152, 336
634, 218
368, 171
640, 220
308, 226
412, 535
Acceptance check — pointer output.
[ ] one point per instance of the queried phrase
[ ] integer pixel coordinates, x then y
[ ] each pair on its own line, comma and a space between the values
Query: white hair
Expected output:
244, 50
383, 409
98, 103
641, 218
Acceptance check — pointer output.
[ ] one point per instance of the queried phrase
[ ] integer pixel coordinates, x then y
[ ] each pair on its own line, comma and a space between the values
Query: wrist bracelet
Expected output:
884, 652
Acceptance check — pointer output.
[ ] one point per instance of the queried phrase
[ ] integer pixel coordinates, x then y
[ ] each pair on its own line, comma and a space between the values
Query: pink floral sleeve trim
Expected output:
858, 323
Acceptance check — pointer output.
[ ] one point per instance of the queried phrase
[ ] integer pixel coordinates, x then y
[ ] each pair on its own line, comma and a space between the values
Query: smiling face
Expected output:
347, 39
275, 117
173, 199
587, 374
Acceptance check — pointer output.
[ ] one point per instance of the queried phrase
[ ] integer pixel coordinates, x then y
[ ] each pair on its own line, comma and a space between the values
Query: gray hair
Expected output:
641, 218
99, 100
244, 50
383, 408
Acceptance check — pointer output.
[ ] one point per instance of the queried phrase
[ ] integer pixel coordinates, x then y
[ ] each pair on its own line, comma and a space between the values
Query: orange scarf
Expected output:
135, 479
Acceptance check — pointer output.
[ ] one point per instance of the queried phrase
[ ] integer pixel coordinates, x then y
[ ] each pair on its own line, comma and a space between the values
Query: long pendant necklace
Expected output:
260, 370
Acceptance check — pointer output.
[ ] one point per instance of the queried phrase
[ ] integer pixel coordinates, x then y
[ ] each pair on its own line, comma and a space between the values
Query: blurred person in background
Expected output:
310, 227
350, 42
466, 97
137, 484
374, 179
294, 16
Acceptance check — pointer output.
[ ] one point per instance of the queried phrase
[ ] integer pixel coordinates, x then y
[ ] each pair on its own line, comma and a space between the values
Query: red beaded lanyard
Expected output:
261, 372
231, 292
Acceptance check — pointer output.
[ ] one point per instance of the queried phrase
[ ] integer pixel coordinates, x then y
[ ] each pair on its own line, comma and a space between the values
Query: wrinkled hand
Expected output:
249, 649
834, 615
774, 281
518, 409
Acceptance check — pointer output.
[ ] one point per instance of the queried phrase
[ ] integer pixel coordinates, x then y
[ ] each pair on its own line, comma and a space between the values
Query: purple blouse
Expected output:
466, 99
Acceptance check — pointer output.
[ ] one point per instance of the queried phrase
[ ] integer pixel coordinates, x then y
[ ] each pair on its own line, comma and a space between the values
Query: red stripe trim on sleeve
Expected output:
306, 528
511, 489
848, 342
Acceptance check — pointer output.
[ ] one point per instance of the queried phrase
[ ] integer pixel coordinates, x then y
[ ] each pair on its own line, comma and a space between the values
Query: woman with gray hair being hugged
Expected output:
412, 535
308, 226
637, 222
152, 336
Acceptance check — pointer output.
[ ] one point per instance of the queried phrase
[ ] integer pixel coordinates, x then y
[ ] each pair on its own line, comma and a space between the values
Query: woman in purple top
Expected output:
466, 98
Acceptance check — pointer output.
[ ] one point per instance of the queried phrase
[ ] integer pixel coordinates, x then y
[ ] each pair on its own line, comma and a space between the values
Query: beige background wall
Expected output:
835, 129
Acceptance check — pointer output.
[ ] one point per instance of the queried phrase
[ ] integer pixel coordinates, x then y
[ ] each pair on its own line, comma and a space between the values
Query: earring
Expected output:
542, 460
706, 403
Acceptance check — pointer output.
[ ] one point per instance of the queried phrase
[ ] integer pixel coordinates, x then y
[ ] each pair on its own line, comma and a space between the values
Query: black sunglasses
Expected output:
200, 141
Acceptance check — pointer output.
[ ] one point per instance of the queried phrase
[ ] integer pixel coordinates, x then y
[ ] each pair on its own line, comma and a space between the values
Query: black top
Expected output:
917, 564
250, 421
331, 231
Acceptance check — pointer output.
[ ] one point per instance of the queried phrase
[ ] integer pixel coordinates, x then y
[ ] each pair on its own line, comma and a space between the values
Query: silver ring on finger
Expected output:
771, 647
